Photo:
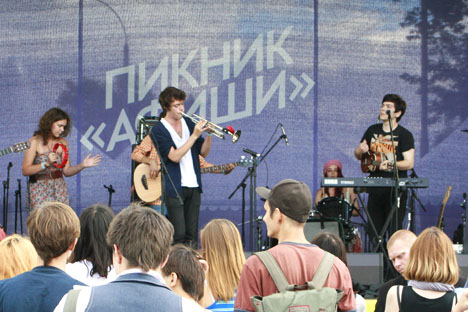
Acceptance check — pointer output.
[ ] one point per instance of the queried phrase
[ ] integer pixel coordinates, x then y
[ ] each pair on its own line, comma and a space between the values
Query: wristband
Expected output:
43, 165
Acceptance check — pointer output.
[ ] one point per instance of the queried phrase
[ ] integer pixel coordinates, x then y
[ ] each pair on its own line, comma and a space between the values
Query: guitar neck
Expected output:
6, 151
216, 168
440, 221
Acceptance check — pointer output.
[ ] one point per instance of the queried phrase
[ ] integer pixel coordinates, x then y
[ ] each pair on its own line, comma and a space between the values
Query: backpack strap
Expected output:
273, 268
322, 272
72, 299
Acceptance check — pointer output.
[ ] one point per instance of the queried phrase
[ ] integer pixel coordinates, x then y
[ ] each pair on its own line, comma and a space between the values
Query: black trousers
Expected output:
379, 205
184, 217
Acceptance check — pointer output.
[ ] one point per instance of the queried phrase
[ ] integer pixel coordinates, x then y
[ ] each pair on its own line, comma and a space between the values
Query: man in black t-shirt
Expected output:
377, 140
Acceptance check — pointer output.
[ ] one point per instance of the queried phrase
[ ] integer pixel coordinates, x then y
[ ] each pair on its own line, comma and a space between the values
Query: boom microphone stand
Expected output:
252, 174
111, 191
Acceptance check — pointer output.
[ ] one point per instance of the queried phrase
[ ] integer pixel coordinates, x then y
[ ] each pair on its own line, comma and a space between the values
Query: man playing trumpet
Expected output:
180, 143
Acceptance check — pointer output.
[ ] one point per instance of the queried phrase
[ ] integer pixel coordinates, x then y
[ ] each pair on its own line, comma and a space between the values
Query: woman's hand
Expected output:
91, 161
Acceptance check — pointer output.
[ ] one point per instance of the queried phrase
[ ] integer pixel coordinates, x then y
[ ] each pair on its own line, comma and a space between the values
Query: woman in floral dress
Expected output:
46, 167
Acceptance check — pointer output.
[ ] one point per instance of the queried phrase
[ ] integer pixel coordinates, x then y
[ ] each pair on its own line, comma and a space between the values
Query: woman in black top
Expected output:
432, 270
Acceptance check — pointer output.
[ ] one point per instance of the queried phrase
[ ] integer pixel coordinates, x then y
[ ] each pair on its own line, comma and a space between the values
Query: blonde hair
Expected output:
222, 249
17, 255
432, 258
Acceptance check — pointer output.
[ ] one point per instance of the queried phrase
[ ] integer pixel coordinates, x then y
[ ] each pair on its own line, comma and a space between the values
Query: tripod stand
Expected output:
18, 207
6, 188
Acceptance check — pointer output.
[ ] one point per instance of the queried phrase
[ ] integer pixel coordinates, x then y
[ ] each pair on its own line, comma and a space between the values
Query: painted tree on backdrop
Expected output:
441, 28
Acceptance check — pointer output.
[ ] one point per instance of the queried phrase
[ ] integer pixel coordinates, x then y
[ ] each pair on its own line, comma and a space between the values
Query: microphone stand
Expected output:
396, 202
252, 174
18, 207
111, 190
6, 188
243, 185
164, 174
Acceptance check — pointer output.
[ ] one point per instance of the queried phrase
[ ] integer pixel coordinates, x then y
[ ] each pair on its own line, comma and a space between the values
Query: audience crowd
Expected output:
128, 262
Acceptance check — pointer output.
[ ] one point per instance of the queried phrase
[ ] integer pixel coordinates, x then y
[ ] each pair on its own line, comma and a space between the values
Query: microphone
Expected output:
388, 113
284, 134
10, 164
249, 151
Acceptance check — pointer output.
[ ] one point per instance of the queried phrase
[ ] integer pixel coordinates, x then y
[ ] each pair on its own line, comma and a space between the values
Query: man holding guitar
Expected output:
145, 153
376, 154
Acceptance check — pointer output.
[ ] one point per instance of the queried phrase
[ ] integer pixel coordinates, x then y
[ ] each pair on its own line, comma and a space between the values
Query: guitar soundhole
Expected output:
144, 182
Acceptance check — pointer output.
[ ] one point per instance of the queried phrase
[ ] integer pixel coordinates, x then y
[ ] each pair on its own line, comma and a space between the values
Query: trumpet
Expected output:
215, 129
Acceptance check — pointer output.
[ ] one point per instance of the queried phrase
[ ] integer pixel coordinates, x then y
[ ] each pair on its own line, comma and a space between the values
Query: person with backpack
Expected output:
287, 208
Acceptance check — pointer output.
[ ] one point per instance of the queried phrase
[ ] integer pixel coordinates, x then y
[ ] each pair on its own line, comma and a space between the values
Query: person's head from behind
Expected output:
333, 169
168, 96
332, 243
184, 273
140, 238
288, 203
395, 104
398, 247
92, 245
55, 122
53, 229
222, 249
17, 255
432, 258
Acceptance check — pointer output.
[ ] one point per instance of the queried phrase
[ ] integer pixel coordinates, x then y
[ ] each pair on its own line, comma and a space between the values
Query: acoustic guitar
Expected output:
440, 221
371, 161
16, 148
150, 189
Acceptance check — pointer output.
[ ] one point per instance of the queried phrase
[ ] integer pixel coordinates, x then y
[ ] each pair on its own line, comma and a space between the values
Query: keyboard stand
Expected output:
374, 235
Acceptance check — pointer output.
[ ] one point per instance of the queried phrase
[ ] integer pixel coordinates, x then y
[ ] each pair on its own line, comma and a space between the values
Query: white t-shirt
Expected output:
81, 271
189, 178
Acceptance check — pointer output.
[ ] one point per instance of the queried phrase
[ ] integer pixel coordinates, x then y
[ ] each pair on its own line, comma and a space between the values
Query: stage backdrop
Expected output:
318, 67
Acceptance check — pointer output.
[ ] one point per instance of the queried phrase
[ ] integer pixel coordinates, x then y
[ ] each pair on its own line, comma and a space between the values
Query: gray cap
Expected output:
291, 197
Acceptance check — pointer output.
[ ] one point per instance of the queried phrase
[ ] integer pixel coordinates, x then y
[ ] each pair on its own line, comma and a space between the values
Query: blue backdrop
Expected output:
320, 68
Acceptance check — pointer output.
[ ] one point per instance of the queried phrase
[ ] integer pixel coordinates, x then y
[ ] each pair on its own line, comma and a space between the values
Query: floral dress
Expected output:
42, 187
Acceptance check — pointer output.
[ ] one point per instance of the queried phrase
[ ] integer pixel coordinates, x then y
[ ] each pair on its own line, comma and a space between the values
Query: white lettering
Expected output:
278, 85
255, 48
160, 71
223, 61
273, 48
130, 71
129, 134
182, 70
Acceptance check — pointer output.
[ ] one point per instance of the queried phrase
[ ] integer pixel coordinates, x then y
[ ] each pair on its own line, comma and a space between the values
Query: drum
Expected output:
352, 239
335, 208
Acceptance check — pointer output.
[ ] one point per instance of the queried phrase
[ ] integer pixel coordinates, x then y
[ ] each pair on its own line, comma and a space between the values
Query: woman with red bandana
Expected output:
333, 169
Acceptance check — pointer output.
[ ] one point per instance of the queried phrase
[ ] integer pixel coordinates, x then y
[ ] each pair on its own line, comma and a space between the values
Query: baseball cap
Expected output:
291, 197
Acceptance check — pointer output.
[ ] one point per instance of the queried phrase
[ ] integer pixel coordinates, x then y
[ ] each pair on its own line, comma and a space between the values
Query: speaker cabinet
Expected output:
314, 227
366, 268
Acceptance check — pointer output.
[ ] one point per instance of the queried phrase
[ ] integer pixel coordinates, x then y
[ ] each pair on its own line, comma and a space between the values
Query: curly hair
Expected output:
45, 123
